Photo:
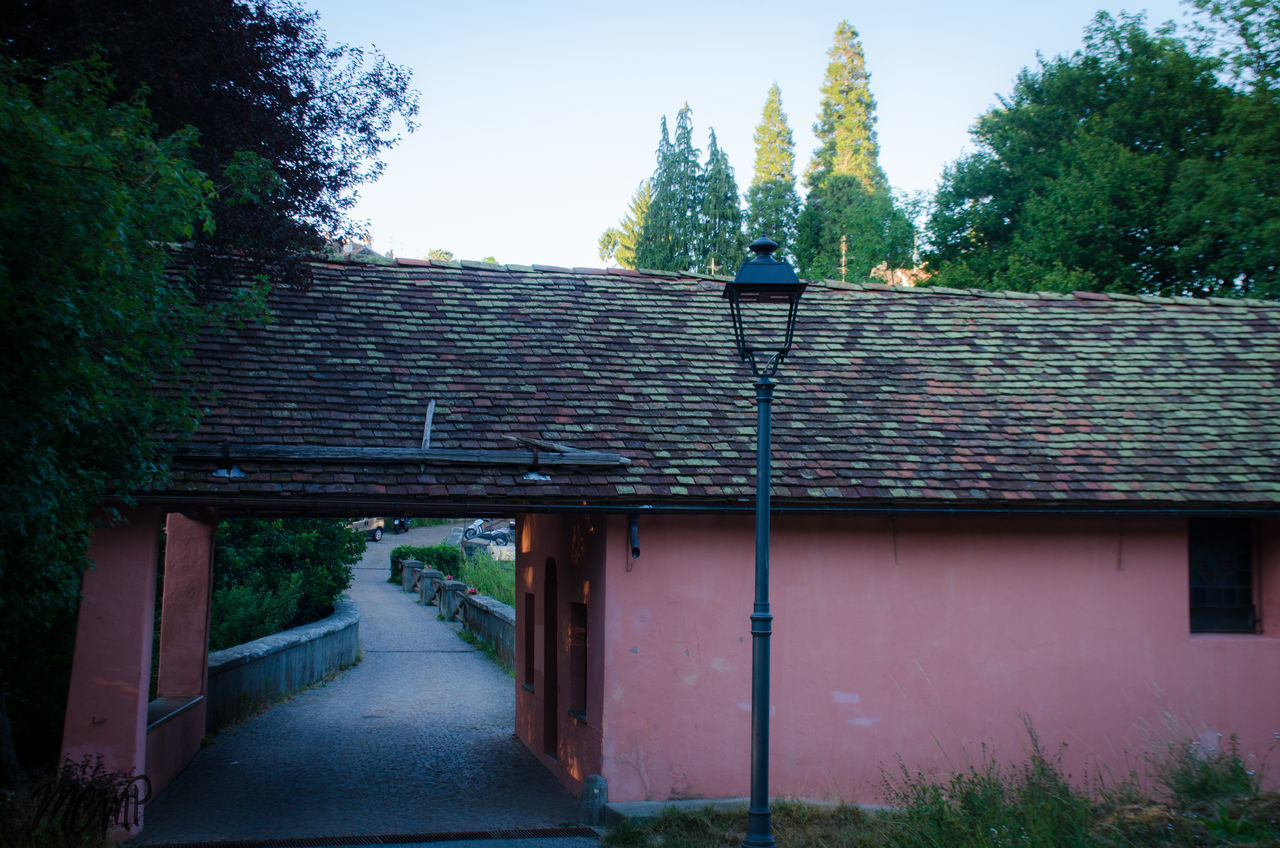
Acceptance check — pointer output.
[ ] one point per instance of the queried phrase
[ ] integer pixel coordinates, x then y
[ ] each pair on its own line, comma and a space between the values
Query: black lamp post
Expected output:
763, 299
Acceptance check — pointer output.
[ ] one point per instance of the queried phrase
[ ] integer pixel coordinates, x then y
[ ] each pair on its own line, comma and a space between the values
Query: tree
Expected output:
289, 125
273, 574
773, 206
1246, 36
439, 254
850, 222
670, 237
1127, 167
845, 128
620, 243
720, 244
89, 195
693, 219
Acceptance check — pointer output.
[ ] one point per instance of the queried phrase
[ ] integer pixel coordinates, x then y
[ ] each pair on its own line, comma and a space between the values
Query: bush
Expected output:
446, 559
270, 575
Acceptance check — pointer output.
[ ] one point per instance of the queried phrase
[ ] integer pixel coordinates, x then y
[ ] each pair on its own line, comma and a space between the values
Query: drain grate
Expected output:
395, 839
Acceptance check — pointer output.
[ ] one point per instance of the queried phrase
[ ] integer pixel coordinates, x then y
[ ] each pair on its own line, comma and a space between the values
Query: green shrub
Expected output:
270, 575
446, 559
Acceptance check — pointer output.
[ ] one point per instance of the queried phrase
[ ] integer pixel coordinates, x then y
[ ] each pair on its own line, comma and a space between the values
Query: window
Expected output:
578, 661
1220, 555
528, 639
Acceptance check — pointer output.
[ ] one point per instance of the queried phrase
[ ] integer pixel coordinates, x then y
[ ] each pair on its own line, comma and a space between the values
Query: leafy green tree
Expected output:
1127, 167
671, 234
1246, 36
89, 195
721, 244
270, 575
773, 206
289, 124
850, 222
439, 254
621, 242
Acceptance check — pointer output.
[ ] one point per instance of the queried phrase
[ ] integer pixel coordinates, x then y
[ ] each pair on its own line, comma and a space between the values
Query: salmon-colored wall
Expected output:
111, 667
576, 545
920, 638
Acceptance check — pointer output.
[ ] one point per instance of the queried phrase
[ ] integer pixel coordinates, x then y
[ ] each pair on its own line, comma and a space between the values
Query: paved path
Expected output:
417, 738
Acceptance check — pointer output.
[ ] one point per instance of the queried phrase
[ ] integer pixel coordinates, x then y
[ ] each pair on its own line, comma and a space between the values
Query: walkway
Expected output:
416, 739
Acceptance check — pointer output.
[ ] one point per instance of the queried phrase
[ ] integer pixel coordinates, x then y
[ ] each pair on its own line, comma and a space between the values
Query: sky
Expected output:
539, 119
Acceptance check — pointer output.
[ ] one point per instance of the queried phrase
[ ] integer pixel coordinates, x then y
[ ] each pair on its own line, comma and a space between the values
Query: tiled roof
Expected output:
908, 397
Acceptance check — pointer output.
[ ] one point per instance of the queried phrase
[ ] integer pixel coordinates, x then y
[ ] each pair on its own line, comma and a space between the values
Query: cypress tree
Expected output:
772, 202
720, 242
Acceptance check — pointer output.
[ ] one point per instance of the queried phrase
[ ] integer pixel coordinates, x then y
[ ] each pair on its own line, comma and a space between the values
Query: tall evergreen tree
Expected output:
773, 206
720, 242
670, 237
621, 242
850, 223
846, 125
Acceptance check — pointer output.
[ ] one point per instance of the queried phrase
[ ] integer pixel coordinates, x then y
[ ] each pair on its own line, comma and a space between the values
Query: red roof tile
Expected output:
891, 396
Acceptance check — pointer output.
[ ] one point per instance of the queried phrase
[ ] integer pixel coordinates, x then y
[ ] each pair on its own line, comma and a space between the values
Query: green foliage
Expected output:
845, 128
845, 231
1029, 804
1216, 802
270, 575
1128, 167
850, 222
1192, 773
447, 559
88, 321
693, 221
258, 81
773, 206
439, 254
620, 243
669, 238
489, 576
1245, 34
721, 246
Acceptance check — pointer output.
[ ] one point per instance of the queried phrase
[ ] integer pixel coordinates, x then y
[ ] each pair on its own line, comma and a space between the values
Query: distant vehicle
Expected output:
500, 531
401, 525
370, 528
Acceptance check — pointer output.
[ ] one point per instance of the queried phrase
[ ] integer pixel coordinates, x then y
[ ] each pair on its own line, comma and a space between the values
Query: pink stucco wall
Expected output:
917, 638
575, 545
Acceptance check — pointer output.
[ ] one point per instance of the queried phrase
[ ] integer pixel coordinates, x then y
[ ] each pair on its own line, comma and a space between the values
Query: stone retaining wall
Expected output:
494, 624
244, 678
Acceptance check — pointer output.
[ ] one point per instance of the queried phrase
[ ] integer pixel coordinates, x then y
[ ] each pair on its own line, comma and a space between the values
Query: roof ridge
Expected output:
1079, 294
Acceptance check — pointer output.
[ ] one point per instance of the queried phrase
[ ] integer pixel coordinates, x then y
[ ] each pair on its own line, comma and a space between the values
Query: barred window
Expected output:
1220, 555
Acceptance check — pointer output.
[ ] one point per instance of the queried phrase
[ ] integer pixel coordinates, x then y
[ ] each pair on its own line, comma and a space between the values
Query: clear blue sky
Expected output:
539, 119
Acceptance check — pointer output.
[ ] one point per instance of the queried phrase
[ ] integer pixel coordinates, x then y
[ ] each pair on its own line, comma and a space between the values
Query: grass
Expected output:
1195, 797
489, 576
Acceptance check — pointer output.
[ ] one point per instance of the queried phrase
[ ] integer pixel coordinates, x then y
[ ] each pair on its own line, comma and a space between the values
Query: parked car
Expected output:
401, 525
370, 528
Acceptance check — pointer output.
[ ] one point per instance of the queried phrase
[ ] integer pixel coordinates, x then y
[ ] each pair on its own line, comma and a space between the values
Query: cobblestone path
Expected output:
416, 738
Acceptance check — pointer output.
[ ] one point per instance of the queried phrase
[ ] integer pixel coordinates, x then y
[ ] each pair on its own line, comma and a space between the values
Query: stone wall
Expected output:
245, 678
493, 623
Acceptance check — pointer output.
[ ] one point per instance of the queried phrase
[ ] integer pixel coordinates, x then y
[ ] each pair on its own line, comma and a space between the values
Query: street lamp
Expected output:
762, 299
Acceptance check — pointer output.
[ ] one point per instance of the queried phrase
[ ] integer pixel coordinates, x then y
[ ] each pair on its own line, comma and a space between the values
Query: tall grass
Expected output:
1197, 796
489, 576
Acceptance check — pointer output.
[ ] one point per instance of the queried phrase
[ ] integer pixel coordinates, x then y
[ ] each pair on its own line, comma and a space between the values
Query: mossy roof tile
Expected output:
891, 396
